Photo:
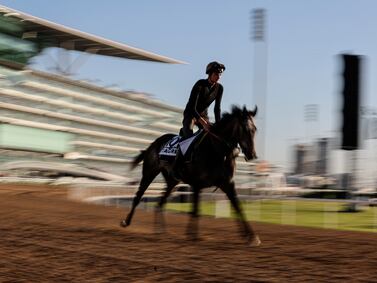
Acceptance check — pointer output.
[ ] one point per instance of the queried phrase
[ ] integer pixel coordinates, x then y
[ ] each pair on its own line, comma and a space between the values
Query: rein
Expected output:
219, 138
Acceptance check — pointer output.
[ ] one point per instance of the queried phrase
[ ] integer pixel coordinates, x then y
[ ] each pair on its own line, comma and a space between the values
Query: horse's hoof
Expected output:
123, 223
255, 242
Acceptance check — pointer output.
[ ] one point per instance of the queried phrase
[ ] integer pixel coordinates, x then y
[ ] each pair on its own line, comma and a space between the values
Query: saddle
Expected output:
178, 146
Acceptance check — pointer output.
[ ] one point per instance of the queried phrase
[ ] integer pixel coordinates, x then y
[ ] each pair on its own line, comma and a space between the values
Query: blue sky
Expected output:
304, 39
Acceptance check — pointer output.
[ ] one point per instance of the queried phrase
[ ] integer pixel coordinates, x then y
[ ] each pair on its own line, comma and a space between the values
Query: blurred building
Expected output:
312, 159
299, 159
50, 116
304, 159
62, 118
323, 155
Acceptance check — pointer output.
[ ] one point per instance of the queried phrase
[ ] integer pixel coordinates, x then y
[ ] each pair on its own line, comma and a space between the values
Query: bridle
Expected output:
228, 144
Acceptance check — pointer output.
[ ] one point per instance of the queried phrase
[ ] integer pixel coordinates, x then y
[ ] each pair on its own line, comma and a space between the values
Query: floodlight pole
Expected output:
258, 17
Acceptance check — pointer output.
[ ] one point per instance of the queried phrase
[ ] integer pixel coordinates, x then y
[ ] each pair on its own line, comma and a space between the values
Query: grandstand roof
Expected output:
35, 29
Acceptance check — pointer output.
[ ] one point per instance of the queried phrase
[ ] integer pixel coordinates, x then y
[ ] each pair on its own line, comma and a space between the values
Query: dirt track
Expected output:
47, 238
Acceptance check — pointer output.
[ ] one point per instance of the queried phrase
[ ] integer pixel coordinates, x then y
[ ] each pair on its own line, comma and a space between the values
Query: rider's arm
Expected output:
193, 101
217, 108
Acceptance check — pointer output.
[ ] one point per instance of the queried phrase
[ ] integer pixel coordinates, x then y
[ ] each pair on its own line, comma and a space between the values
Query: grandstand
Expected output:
52, 118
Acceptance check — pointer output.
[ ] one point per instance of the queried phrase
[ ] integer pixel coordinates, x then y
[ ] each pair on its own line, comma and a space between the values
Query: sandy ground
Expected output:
47, 238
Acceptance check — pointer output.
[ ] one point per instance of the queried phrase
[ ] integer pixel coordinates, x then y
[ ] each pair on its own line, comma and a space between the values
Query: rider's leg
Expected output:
186, 131
188, 127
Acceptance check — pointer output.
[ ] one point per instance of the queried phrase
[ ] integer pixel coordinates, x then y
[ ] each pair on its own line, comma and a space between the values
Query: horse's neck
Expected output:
225, 133
222, 139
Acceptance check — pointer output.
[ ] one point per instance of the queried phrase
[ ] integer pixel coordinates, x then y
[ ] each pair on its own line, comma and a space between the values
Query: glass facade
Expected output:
14, 47
34, 139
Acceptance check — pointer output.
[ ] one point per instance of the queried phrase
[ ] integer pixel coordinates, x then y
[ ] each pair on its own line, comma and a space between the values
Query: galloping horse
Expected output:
212, 164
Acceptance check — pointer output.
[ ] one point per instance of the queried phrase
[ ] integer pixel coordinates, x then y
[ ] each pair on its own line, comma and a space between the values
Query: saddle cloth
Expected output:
172, 147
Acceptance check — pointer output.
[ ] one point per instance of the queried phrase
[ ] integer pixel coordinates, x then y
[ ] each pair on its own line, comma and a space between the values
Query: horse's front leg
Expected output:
192, 227
251, 237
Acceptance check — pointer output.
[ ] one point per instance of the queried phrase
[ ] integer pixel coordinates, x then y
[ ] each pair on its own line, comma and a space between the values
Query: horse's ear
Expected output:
244, 111
254, 112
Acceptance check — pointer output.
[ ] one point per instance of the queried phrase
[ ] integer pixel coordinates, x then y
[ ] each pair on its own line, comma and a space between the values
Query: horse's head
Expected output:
244, 131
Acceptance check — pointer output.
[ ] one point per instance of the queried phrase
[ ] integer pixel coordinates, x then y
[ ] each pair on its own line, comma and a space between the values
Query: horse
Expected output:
212, 164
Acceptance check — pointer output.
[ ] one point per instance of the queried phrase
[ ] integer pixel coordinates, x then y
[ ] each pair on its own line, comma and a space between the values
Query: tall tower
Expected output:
260, 77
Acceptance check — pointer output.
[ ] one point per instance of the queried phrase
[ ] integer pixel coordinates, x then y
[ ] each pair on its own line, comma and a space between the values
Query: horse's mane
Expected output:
228, 116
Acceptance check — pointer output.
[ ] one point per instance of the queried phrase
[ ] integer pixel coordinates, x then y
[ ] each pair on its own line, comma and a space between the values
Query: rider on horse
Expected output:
203, 93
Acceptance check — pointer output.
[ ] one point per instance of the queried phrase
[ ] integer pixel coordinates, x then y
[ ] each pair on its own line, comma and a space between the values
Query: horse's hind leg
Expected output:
170, 185
252, 238
146, 180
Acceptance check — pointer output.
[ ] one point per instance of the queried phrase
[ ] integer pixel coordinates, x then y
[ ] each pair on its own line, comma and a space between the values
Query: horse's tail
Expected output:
151, 153
138, 159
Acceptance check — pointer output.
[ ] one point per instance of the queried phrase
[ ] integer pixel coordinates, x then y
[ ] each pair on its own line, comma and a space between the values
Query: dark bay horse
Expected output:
212, 164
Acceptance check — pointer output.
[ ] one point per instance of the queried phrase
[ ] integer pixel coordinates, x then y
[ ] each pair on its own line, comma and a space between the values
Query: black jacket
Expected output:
201, 97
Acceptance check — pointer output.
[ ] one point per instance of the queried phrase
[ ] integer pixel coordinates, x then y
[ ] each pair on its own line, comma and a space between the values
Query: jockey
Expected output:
203, 93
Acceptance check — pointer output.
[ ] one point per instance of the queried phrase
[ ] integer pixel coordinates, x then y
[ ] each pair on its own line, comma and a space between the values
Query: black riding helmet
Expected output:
215, 67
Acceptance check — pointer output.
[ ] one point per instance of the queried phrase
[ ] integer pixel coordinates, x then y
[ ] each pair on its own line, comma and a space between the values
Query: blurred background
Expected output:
84, 86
